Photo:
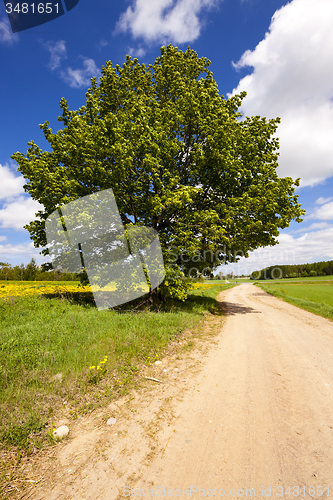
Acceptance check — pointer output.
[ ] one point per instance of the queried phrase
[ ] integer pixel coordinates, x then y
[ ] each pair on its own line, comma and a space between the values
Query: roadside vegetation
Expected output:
33, 272
315, 296
57, 350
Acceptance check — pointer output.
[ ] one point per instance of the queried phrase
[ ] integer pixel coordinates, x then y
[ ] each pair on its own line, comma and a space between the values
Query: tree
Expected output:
31, 271
17, 273
178, 157
4, 268
21, 271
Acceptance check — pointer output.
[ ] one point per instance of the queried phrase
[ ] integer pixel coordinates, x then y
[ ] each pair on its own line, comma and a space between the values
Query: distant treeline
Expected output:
294, 271
33, 272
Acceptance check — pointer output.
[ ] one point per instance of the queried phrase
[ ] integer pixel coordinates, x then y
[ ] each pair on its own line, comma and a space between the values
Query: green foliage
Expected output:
175, 288
294, 271
177, 157
33, 272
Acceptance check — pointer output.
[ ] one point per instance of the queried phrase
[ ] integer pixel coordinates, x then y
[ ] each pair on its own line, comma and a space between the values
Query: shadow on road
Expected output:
231, 309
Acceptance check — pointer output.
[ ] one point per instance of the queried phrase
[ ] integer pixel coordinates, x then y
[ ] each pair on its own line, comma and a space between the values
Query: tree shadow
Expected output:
195, 303
85, 299
231, 309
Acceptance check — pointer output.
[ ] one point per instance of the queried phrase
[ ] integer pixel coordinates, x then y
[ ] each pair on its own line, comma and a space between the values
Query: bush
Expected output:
175, 288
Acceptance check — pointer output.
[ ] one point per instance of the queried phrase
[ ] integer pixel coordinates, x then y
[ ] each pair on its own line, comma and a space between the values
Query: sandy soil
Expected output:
249, 408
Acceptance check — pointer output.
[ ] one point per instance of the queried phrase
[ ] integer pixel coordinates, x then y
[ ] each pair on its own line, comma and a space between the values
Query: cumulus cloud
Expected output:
321, 200
6, 34
77, 78
314, 247
16, 214
313, 227
325, 212
11, 185
293, 78
136, 52
57, 51
177, 20
15, 254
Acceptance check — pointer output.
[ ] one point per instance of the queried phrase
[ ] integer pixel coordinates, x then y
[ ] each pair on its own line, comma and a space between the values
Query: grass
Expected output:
57, 349
314, 296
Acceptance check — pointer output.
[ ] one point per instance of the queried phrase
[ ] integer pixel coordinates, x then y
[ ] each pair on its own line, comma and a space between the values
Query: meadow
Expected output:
57, 349
314, 295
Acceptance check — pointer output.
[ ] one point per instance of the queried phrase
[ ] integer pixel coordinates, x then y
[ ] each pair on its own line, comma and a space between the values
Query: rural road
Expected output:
257, 414
262, 412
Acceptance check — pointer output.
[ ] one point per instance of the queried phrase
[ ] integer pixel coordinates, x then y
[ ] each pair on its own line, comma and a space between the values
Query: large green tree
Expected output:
179, 157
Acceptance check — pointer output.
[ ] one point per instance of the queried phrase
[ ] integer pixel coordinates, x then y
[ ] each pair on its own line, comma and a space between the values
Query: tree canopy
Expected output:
179, 157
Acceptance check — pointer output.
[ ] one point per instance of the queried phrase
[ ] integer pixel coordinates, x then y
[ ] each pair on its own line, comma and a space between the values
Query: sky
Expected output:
279, 52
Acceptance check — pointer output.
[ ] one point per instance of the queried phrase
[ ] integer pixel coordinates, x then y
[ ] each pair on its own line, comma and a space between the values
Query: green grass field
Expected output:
97, 353
315, 295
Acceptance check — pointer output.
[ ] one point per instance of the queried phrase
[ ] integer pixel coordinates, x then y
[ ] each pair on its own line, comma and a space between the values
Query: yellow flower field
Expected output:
29, 288
202, 286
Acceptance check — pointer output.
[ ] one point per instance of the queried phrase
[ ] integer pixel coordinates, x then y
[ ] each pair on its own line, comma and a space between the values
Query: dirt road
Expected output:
257, 414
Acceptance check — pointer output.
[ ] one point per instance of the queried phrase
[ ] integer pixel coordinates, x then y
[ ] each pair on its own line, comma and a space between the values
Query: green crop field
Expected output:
315, 295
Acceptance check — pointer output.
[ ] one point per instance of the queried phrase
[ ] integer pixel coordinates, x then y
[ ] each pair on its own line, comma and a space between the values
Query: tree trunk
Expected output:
155, 296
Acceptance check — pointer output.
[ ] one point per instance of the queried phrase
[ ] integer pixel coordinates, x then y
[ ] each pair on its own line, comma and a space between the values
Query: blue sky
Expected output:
279, 52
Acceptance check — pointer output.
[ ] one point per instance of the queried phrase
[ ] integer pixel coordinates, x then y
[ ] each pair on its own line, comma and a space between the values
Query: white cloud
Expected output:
102, 43
57, 51
3, 238
325, 212
321, 200
11, 185
313, 227
293, 79
177, 20
6, 34
81, 77
17, 213
76, 78
15, 254
314, 247
136, 52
